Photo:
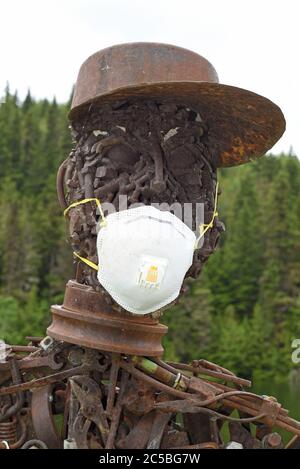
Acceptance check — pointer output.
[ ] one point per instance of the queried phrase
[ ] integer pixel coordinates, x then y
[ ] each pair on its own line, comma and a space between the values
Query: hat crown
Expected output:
242, 125
129, 65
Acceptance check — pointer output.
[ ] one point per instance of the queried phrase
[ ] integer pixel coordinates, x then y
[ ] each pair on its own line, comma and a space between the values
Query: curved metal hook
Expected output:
60, 184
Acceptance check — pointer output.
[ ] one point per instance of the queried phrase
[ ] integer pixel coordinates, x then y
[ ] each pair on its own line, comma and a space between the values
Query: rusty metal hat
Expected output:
242, 125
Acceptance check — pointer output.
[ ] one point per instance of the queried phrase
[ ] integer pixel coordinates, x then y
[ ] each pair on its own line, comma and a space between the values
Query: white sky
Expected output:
253, 44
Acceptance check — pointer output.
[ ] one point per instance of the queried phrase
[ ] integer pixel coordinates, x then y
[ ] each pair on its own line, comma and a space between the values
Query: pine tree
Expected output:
233, 274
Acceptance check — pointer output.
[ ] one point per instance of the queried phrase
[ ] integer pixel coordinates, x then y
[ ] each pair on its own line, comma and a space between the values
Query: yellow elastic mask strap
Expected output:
85, 201
86, 261
103, 223
203, 227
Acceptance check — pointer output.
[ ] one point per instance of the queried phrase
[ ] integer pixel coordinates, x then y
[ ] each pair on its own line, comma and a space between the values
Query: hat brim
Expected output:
242, 125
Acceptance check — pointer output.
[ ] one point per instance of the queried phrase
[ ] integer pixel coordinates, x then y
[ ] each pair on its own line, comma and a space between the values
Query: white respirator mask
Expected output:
144, 255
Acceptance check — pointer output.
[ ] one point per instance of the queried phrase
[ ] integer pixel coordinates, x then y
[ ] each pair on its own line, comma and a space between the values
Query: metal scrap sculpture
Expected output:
152, 123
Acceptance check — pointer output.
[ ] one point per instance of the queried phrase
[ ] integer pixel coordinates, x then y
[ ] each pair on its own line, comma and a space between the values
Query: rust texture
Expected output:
242, 125
86, 319
152, 123
130, 152
112, 400
108, 399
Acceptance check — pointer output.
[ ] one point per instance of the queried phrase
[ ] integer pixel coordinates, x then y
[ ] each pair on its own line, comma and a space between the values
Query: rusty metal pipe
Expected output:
150, 367
117, 412
283, 422
214, 374
293, 443
249, 400
182, 394
152, 382
43, 381
180, 407
115, 366
23, 348
60, 185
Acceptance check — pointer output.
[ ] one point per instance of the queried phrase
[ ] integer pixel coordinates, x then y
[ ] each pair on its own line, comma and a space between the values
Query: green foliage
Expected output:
189, 325
250, 298
243, 312
35, 260
19, 319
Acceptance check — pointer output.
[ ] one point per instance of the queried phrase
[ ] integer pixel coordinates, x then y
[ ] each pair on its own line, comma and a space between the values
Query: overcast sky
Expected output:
253, 44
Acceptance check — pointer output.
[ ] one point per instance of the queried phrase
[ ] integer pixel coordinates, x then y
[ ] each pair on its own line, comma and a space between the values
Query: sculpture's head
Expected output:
151, 125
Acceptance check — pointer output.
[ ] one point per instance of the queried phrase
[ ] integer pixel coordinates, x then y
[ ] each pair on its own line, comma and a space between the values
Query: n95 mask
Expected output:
144, 254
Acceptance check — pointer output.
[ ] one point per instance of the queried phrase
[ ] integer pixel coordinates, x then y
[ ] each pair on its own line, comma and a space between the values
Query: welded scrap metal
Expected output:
197, 427
186, 406
117, 410
139, 435
13, 433
20, 398
49, 357
42, 417
180, 385
293, 443
8, 430
31, 362
4, 444
89, 396
113, 378
174, 438
271, 412
70, 415
39, 382
81, 428
177, 381
211, 366
239, 434
187, 402
159, 424
182, 394
246, 402
34, 340
142, 406
139, 398
91, 361
215, 372
34, 444
23, 348
137, 152
214, 430
158, 372
158, 427
272, 441
193, 406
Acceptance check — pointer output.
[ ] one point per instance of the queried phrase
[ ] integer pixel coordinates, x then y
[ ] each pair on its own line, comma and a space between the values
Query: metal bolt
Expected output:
46, 343
272, 441
75, 356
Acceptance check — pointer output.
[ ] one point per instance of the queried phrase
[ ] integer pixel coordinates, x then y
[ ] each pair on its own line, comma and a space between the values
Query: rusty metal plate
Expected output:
242, 125
42, 417
86, 319
127, 65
